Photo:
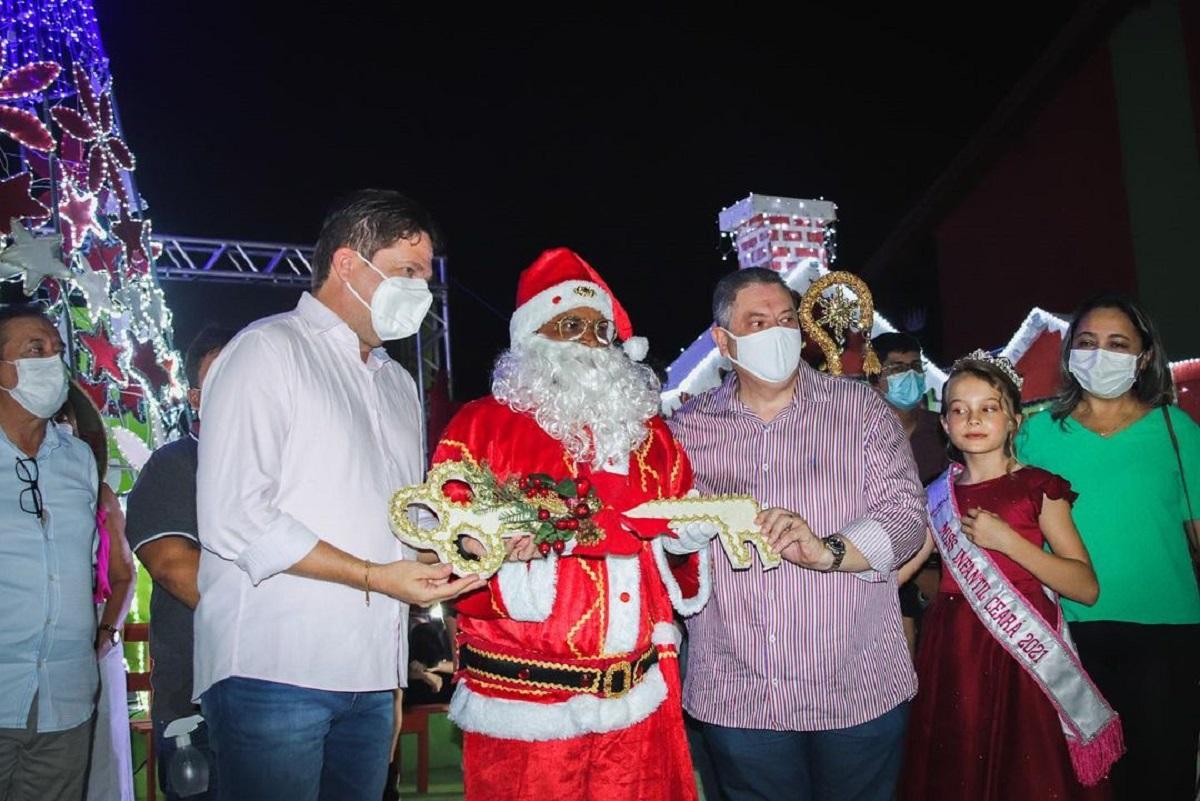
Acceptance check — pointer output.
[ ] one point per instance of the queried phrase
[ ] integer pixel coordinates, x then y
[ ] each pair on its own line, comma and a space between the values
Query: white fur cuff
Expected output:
693, 536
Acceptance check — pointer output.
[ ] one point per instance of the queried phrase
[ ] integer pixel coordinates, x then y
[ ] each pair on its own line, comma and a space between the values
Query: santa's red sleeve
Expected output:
687, 578
520, 591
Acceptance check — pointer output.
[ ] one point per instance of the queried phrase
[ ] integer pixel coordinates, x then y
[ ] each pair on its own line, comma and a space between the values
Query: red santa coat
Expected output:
592, 605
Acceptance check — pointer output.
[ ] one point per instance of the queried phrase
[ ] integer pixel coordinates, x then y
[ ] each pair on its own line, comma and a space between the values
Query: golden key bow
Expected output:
487, 524
733, 515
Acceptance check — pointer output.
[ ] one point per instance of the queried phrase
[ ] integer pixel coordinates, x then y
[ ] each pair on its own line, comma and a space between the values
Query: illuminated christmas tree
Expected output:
76, 235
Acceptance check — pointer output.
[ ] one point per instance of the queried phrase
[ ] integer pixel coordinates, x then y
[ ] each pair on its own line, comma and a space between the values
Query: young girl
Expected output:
1004, 709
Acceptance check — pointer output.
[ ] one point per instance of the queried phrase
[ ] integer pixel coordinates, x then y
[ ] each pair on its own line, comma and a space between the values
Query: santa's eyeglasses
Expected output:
573, 329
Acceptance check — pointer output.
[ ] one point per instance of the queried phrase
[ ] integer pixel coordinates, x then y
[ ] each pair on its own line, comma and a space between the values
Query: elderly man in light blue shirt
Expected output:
48, 489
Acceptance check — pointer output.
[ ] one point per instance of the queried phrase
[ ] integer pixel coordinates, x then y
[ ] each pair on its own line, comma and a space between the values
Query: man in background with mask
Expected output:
309, 427
48, 488
800, 675
160, 524
902, 382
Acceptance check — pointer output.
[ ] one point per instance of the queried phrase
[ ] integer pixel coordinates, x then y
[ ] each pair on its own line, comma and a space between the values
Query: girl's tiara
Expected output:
1002, 363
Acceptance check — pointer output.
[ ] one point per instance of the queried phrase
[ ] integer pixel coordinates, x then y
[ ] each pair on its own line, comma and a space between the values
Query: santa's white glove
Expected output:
670, 404
693, 536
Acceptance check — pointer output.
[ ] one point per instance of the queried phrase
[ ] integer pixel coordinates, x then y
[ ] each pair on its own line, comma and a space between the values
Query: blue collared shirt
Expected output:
47, 641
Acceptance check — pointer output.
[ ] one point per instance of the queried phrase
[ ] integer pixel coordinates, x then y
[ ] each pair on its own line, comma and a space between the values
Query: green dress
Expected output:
1130, 511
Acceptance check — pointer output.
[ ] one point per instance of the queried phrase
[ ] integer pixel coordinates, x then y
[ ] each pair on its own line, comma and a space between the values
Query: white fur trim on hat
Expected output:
549, 303
636, 348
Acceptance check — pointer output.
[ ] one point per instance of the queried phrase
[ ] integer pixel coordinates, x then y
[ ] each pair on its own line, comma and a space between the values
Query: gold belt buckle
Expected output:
618, 668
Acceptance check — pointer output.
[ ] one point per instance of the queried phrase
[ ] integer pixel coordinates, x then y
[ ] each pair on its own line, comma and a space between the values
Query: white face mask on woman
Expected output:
41, 385
1104, 373
398, 305
772, 355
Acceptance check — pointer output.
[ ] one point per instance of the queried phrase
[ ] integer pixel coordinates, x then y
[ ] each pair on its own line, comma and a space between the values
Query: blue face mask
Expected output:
905, 390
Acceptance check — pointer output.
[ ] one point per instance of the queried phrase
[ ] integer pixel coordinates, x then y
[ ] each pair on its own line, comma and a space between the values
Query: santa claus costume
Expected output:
569, 683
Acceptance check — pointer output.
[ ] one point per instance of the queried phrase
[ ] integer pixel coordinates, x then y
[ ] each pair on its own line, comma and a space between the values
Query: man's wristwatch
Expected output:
837, 547
114, 633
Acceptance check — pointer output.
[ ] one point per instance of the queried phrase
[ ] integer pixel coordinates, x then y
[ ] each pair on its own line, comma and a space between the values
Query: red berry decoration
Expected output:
572, 525
559, 545
582, 510
582, 486
544, 548
523, 483
458, 491
543, 514
561, 525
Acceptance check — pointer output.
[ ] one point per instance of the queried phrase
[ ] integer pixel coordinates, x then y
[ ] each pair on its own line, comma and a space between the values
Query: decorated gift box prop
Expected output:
780, 233
733, 515
470, 501
839, 314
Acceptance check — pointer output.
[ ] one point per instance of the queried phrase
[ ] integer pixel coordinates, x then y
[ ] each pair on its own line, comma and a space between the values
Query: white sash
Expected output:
1044, 650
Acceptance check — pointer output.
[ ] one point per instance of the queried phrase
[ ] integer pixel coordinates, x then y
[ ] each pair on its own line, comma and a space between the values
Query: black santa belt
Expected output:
610, 679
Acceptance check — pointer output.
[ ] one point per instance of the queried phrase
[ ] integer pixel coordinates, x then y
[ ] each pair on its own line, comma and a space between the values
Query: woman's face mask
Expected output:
1104, 373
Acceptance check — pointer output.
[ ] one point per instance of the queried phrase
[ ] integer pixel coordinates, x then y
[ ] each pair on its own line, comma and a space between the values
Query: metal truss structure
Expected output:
426, 355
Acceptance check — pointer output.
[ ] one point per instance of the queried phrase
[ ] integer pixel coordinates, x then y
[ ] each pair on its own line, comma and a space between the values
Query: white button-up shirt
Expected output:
302, 441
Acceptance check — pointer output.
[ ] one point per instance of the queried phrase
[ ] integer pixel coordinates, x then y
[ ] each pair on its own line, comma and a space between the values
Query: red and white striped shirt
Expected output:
793, 649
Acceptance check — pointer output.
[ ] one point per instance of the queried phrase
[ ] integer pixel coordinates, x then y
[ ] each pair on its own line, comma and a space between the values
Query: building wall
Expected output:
1046, 225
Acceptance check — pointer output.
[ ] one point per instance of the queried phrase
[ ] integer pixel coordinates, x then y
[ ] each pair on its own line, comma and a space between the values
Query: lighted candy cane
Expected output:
733, 515
840, 322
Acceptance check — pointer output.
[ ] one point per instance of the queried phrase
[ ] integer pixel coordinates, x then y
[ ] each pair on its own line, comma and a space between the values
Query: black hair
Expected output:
894, 342
210, 338
1154, 385
367, 221
16, 311
728, 287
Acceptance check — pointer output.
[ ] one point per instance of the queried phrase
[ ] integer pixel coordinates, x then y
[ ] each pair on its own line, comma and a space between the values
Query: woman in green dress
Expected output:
1109, 432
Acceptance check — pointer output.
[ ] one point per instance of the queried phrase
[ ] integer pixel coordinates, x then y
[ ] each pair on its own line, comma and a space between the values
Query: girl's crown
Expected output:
1002, 363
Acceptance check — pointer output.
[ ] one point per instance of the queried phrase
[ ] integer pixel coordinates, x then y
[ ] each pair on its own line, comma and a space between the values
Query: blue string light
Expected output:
63, 31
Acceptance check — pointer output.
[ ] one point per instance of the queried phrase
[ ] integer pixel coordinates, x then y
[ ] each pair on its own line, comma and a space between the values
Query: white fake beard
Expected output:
577, 393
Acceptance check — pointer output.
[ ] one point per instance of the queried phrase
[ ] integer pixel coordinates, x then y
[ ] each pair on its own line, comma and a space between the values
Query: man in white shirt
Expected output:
309, 427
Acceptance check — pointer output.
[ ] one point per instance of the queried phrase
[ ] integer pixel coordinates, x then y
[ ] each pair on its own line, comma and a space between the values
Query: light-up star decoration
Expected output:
33, 257
105, 355
16, 202
95, 287
838, 313
77, 211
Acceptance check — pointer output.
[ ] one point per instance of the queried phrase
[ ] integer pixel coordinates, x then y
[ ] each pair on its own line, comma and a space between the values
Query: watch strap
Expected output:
837, 547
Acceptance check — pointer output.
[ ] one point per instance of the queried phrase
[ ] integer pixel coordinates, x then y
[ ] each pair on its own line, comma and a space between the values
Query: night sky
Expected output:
620, 136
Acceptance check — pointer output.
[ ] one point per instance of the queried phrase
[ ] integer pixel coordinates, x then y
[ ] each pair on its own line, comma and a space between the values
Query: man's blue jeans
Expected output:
278, 742
860, 763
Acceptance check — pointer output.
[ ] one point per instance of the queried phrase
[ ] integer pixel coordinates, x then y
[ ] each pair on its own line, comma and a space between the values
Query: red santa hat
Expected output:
558, 281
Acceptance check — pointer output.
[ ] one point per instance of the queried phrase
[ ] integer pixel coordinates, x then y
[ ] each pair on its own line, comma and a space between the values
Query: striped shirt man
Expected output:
794, 649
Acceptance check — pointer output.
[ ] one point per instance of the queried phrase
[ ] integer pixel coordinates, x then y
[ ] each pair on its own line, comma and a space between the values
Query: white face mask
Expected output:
398, 305
772, 355
41, 385
1104, 373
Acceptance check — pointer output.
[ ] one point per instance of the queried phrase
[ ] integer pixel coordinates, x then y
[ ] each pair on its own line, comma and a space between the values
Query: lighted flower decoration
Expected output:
25, 81
77, 213
95, 124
